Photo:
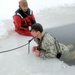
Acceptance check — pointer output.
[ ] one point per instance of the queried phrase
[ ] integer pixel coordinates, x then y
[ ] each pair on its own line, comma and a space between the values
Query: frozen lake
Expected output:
19, 62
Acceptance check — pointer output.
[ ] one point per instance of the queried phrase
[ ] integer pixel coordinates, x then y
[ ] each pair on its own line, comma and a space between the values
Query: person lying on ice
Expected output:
23, 18
47, 45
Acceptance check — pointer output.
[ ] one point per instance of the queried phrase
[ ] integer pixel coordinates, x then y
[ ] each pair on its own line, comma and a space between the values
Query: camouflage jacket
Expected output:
48, 46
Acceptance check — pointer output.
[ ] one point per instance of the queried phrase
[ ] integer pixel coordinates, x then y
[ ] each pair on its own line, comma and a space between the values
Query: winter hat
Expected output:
23, 3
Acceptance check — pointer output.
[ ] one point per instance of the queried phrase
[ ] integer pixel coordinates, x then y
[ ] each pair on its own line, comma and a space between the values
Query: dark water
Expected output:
66, 35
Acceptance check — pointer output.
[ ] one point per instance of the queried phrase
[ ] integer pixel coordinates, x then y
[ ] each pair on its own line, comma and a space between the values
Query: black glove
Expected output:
58, 55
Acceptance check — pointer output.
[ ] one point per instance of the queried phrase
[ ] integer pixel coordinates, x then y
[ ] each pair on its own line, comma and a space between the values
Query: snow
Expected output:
19, 62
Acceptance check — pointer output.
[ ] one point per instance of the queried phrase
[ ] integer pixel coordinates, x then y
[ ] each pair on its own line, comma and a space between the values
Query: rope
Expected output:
13, 49
18, 47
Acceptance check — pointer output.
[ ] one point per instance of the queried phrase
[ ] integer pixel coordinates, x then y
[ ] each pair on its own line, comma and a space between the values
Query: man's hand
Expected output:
34, 48
37, 53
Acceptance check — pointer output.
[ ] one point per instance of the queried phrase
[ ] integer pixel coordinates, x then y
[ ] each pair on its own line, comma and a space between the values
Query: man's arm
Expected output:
17, 22
33, 19
49, 49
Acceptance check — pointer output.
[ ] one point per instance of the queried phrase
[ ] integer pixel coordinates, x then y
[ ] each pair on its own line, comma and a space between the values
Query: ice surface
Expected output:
19, 62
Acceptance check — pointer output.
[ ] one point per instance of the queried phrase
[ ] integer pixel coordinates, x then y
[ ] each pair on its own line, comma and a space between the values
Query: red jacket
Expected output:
22, 21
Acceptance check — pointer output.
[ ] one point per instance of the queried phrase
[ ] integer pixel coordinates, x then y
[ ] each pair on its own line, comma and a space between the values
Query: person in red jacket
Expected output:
23, 18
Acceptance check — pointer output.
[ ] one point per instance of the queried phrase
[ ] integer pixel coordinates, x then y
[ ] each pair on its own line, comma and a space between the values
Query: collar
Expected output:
43, 33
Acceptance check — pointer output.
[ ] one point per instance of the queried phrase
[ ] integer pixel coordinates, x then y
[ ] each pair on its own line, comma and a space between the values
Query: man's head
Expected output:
36, 30
23, 5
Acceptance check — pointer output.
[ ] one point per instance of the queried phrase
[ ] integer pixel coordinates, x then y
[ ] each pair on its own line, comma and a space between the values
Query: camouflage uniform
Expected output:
48, 46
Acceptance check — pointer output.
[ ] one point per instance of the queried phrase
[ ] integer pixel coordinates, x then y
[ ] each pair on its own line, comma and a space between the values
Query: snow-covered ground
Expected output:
19, 62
